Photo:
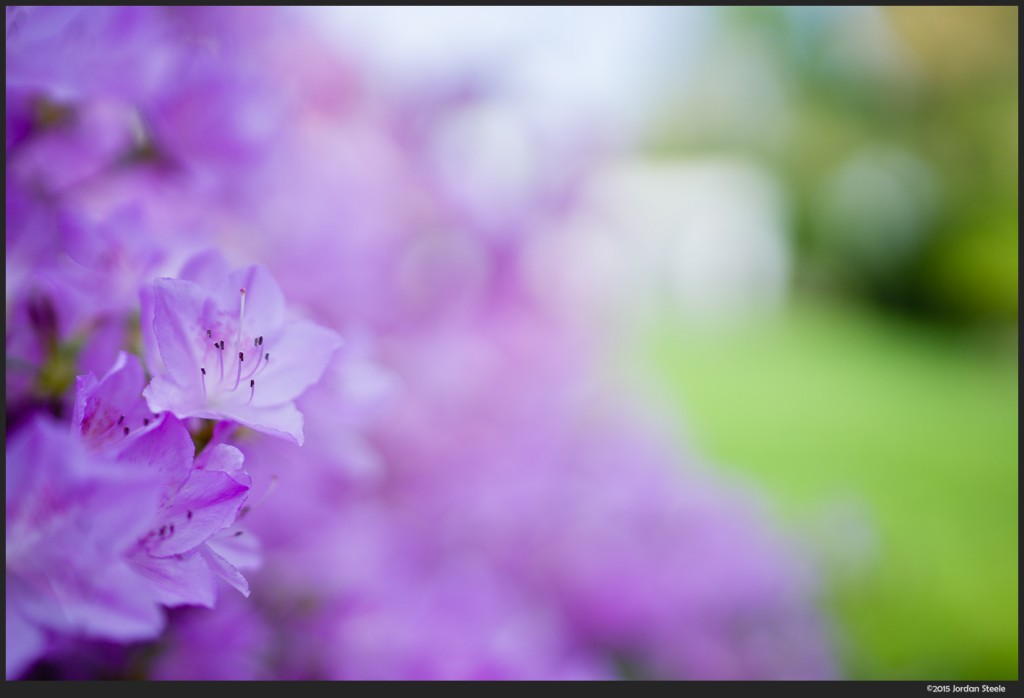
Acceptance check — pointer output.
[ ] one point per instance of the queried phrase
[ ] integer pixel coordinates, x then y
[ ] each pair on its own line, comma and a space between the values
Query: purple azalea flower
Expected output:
110, 409
182, 554
71, 519
228, 350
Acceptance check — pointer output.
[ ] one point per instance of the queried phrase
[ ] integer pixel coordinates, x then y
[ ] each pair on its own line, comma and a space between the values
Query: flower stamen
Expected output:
259, 357
241, 316
238, 376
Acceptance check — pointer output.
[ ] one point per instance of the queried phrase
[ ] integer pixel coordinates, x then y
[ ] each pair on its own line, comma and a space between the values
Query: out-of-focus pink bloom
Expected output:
461, 623
231, 642
228, 350
499, 453
71, 520
79, 143
81, 52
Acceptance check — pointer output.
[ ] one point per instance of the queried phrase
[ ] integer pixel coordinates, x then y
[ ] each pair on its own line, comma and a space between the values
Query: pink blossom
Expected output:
229, 351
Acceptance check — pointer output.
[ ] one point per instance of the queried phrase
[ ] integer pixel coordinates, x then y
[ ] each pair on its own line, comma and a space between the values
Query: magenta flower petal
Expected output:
183, 580
225, 570
58, 500
284, 421
264, 304
162, 394
177, 310
239, 547
223, 458
165, 448
199, 497
109, 601
105, 407
150, 348
66, 542
207, 503
300, 355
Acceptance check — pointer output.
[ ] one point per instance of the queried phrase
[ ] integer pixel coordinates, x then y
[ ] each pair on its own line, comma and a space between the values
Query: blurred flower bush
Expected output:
261, 334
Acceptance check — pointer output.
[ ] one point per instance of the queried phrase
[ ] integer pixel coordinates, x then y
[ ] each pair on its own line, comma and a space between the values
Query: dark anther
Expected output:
189, 515
267, 357
145, 422
126, 431
121, 419
252, 383
163, 530
170, 530
203, 370
238, 533
241, 356
261, 340
209, 334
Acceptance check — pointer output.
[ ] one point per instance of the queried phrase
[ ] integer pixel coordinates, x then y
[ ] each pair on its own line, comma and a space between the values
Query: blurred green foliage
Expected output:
892, 448
895, 131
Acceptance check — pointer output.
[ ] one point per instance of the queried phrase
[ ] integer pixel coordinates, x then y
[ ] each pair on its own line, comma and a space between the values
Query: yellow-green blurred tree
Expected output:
895, 130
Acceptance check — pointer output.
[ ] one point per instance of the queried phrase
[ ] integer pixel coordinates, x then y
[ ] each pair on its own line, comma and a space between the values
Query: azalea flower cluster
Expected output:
283, 402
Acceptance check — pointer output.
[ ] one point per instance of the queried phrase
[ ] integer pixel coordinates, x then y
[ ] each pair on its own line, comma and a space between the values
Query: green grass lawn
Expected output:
912, 429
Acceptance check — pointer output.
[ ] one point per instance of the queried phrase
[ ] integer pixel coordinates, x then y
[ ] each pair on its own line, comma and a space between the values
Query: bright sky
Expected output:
554, 62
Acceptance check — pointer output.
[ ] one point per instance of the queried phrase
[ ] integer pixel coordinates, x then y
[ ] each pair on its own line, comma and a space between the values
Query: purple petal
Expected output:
179, 580
109, 601
55, 485
264, 302
225, 570
208, 502
104, 407
298, 357
165, 449
282, 420
177, 309
226, 459
150, 349
164, 395
240, 547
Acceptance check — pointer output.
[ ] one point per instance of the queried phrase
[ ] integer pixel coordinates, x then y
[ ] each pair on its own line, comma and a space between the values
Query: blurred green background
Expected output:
890, 446
878, 404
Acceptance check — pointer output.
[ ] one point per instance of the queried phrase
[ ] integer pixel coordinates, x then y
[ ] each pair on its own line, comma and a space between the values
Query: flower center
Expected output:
231, 377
